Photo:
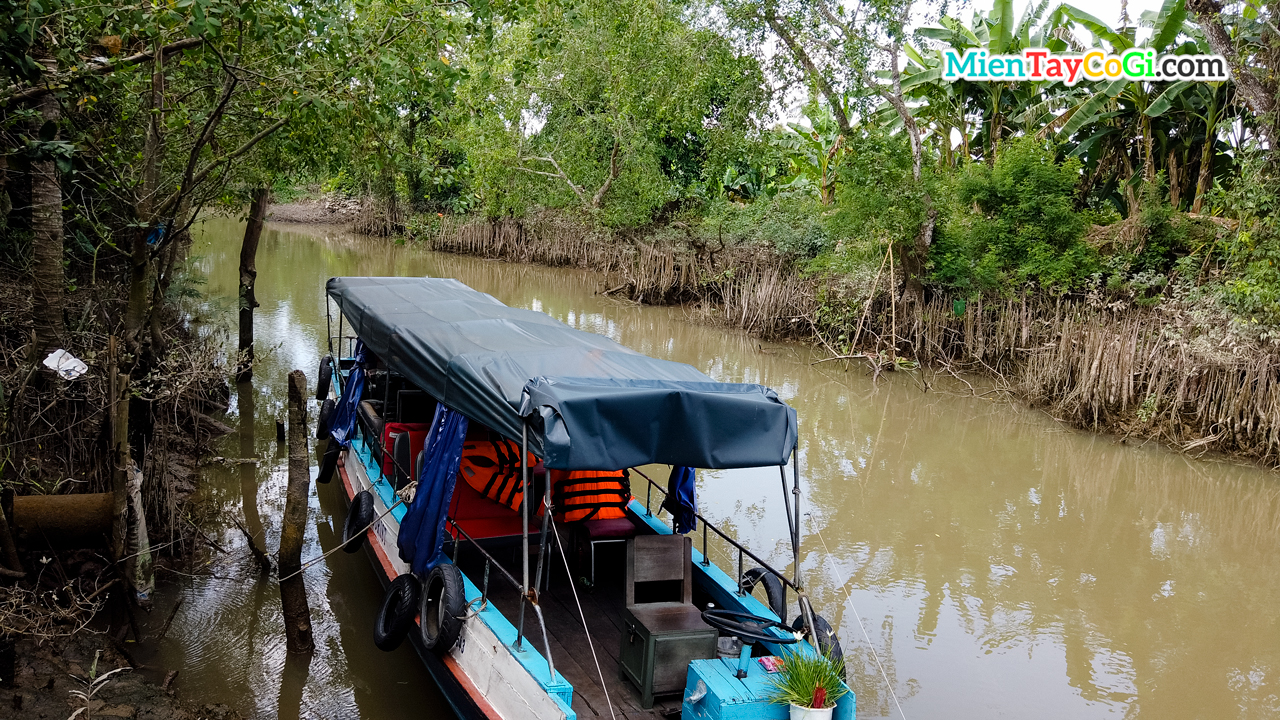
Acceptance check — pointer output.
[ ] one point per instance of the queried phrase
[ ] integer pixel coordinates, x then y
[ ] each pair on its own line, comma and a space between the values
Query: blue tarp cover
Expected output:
422, 530
592, 404
343, 425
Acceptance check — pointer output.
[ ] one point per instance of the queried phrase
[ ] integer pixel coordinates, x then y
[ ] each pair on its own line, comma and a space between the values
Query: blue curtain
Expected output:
682, 500
422, 531
342, 427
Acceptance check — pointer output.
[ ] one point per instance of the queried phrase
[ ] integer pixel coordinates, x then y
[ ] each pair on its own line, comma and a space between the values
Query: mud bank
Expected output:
50, 674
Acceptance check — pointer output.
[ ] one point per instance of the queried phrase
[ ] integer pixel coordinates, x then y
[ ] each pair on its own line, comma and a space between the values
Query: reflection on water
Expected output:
1001, 565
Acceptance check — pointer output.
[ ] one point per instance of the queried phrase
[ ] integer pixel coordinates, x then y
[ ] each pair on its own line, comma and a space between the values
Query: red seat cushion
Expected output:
612, 529
417, 438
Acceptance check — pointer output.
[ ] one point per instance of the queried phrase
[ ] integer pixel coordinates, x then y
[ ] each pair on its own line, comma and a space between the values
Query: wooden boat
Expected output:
455, 422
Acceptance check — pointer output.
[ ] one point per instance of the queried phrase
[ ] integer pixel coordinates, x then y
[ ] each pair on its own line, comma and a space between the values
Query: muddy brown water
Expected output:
1001, 565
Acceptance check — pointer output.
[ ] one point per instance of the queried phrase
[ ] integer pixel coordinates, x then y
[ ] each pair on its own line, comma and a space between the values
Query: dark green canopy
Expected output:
591, 403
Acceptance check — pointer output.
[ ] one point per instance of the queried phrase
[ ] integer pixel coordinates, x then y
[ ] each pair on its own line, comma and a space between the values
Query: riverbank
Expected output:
1181, 371
62, 598
50, 677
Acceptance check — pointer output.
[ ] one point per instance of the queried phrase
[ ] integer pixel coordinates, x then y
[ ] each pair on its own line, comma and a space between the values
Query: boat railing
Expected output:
491, 562
743, 552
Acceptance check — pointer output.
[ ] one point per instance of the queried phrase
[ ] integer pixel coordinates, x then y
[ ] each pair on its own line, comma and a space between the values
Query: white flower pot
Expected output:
799, 712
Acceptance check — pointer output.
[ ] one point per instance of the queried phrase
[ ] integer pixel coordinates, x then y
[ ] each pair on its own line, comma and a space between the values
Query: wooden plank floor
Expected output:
601, 605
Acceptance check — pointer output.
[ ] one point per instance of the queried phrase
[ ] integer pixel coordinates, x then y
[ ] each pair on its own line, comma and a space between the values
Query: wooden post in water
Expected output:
293, 593
248, 276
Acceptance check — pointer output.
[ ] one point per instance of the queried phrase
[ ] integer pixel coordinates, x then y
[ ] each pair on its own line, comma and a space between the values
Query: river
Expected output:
997, 563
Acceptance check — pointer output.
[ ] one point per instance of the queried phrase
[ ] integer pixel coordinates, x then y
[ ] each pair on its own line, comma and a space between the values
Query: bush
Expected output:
1251, 255
878, 200
792, 224
1014, 224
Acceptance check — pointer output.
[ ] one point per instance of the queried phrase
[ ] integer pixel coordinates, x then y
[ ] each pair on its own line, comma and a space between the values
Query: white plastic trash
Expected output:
68, 366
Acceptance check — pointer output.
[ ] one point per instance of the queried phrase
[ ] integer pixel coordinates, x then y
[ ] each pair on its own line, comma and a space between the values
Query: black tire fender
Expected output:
773, 590
399, 607
442, 605
329, 463
359, 517
828, 643
322, 421
323, 377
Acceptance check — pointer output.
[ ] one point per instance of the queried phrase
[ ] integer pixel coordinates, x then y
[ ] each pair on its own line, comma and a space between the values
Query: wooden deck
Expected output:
602, 605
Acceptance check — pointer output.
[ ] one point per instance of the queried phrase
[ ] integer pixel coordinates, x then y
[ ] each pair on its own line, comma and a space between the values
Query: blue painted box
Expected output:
728, 698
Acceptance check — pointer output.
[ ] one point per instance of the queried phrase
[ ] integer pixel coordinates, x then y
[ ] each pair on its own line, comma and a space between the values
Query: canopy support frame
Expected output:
524, 528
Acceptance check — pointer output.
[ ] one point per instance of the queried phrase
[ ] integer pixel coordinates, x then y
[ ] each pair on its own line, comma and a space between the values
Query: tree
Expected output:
614, 108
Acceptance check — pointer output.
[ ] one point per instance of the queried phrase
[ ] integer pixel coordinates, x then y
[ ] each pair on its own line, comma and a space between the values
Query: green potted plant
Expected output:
810, 683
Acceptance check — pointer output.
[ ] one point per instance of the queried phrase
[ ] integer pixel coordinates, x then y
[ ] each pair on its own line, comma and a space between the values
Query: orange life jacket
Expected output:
590, 494
491, 465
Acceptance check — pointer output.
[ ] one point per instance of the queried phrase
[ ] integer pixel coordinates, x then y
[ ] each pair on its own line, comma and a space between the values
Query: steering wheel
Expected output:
746, 627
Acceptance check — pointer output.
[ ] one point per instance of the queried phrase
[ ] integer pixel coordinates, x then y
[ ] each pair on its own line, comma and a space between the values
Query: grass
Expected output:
803, 674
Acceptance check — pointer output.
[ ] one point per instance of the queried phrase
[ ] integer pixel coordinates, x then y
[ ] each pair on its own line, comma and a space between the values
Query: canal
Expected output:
977, 556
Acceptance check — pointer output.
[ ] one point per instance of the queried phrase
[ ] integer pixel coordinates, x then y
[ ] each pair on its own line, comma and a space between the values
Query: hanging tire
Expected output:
323, 377
359, 517
329, 464
441, 607
398, 609
773, 591
322, 421
828, 643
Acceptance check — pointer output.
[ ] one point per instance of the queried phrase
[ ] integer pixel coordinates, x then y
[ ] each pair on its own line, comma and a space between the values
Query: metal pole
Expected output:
542, 543
791, 524
795, 528
542, 553
524, 525
328, 324
802, 598
546, 641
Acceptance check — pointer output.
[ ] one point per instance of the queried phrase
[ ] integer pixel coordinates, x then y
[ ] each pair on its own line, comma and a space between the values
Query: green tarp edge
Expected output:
591, 403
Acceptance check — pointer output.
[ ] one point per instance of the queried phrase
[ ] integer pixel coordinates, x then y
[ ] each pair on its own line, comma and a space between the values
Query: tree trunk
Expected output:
834, 101
914, 259
1149, 152
46, 225
119, 398
248, 276
293, 592
1206, 174
1259, 96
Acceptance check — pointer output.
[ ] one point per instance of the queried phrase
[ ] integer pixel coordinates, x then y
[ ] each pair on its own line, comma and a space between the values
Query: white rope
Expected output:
310, 563
583, 615
849, 599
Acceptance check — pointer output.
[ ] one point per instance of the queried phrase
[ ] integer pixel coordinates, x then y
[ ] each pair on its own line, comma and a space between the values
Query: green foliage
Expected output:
792, 224
1016, 224
879, 200
1252, 253
814, 153
620, 109
802, 674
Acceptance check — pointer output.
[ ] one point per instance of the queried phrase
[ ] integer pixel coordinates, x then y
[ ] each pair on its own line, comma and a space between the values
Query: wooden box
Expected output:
659, 640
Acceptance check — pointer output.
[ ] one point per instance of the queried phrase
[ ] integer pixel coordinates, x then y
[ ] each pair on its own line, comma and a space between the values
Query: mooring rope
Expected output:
583, 615
849, 599
310, 563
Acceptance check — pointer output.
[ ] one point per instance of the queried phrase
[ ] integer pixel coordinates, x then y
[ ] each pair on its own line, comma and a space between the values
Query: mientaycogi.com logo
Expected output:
1039, 64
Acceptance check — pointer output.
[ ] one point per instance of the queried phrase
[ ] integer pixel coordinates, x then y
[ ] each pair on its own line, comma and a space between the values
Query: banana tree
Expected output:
1111, 122
995, 103
814, 153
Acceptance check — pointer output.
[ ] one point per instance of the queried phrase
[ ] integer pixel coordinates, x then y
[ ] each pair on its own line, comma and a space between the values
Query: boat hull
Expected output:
457, 689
